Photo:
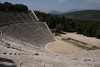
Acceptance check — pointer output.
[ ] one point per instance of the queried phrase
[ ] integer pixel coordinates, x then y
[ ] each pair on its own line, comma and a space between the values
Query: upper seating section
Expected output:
7, 17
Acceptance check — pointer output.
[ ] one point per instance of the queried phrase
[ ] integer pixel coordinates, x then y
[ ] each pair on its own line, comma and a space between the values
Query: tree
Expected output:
21, 7
1, 7
59, 27
63, 22
97, 34
6, 6
68, 28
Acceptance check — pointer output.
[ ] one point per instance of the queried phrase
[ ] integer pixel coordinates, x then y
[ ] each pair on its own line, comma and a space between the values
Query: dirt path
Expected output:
89, 40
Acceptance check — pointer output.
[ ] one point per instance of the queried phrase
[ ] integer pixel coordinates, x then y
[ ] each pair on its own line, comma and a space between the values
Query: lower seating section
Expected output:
16, 58
37, 30
45, 29
31, 57
35, 33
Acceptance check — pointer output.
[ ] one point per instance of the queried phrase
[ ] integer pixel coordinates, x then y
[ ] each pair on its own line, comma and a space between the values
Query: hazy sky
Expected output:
60, 5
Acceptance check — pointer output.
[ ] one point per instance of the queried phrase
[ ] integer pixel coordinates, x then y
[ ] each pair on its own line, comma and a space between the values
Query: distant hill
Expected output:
72, 10
55, 12
58, 12
84, 14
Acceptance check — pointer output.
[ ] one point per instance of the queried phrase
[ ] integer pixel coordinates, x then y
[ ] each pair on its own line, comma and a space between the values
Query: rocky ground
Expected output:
29, 56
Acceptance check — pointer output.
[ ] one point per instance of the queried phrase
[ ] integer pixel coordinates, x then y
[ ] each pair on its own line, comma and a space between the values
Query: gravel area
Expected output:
62, 47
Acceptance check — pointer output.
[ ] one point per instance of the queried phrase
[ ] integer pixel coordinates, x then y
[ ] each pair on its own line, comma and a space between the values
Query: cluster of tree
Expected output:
89, 28
6, 6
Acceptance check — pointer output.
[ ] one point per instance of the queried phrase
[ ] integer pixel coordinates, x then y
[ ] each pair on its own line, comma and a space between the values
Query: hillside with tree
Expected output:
89, 28
84, 15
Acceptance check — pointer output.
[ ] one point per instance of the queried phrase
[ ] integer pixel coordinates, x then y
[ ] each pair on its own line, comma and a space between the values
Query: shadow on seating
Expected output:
2, 60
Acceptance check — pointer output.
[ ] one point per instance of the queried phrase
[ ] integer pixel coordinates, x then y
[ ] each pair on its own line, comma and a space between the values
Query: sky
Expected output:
59, 5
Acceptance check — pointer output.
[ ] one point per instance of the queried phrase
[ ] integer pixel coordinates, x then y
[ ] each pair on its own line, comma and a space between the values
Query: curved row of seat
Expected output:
35, 33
